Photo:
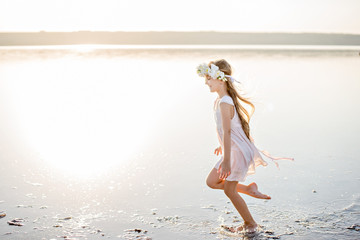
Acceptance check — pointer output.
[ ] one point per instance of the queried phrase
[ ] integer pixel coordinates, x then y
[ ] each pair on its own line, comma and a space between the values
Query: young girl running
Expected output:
239, 157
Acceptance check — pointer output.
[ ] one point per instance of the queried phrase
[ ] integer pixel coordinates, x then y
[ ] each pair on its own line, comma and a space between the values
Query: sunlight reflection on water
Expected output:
85, 115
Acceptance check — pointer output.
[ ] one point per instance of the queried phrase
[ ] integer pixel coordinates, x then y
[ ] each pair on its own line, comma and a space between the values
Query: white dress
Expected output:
244, 157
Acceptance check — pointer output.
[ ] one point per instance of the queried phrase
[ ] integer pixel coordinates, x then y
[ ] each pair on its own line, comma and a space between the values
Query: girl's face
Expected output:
214, 84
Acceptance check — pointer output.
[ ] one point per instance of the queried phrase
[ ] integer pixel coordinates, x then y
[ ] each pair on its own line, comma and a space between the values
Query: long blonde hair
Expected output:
243, 114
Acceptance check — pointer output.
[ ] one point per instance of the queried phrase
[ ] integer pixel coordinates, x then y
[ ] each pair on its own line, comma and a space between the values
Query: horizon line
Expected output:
172, 31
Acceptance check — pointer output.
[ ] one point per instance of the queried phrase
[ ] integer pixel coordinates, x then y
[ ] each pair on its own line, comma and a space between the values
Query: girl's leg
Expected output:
213, 181
230, 189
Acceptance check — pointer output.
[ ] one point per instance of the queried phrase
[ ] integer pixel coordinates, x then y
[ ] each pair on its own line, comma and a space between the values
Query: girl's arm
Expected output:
226, 112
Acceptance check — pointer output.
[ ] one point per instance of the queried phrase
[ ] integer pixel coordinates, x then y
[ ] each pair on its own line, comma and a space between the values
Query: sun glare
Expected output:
79, 116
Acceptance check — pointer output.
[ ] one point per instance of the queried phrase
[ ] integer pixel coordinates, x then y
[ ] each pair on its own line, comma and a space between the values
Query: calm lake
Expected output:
116, 142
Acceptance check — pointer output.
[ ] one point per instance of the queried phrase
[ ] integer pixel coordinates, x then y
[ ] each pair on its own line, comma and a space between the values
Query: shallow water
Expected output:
102, 140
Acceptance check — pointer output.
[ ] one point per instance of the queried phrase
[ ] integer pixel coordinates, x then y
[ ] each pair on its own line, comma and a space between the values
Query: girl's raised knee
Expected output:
210, 184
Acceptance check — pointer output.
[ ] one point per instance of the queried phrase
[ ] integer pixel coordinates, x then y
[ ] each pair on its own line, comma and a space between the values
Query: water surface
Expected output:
101, 139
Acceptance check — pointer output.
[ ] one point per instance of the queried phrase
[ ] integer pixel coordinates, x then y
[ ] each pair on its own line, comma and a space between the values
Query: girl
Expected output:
240, 157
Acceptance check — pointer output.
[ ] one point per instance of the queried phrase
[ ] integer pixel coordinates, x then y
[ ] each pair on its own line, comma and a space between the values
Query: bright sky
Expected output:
333, 16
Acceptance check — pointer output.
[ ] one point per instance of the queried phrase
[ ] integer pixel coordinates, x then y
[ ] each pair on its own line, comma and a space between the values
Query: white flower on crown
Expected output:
219, 74
203, 69
213, 71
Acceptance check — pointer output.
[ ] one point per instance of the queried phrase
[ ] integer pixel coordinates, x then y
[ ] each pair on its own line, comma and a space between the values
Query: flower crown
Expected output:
213, 71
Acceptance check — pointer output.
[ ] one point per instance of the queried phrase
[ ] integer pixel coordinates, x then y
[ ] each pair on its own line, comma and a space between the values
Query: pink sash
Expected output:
267, 154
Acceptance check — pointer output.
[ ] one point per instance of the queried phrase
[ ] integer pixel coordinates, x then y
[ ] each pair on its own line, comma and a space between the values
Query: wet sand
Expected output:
115, 205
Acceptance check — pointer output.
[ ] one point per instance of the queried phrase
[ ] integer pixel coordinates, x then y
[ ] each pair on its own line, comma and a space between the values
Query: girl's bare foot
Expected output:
254, 192
248, 228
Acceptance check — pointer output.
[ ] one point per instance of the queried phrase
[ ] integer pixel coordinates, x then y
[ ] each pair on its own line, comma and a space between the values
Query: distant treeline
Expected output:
89, 37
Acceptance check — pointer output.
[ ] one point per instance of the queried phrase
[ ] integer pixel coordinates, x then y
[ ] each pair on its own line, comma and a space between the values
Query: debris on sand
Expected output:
16, 222
2, 214
227, 229
236, 219
154, 210
137, 230
71, 237
269, 232
172, 219
65, 218
136, 233
355, 227
24, 206
314, 191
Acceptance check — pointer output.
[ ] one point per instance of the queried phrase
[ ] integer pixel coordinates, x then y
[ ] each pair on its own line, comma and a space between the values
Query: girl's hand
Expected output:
224, 169
218, 151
